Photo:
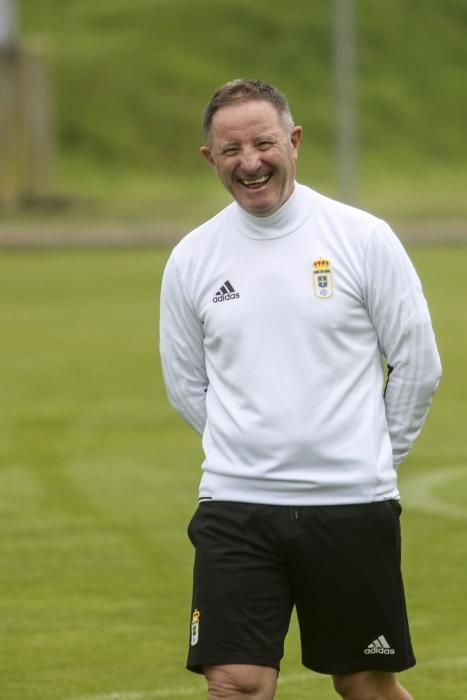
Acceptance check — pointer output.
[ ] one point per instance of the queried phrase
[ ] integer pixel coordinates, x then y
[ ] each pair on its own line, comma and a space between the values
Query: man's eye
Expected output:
230, 151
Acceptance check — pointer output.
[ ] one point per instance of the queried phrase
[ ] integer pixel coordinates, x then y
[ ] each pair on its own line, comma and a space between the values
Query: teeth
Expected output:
255, 180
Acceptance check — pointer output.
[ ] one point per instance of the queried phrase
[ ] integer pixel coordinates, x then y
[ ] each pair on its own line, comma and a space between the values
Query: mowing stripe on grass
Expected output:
419, 491
290, 679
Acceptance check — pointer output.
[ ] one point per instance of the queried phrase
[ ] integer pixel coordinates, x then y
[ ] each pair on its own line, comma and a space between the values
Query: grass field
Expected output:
98, 479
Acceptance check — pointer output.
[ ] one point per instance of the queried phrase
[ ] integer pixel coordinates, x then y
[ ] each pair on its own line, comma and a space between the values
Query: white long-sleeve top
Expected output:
274, 332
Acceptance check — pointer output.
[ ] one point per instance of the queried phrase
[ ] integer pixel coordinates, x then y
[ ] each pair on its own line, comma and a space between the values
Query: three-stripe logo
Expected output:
379, 646
225, 293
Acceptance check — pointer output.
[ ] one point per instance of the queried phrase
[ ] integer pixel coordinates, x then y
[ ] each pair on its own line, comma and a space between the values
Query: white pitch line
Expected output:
143, 694
290, 679
440, 664
419, 492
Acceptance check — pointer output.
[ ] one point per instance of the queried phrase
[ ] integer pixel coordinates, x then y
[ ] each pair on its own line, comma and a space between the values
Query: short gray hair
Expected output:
240, 90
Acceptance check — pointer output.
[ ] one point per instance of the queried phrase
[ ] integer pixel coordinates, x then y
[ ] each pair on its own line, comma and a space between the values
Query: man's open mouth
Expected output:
254, 183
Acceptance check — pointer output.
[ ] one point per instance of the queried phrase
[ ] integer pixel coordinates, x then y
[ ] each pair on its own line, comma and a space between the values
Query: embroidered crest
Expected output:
195, 627
322, 278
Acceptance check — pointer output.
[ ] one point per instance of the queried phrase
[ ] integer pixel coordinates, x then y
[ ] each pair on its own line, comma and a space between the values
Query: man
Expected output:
276, 318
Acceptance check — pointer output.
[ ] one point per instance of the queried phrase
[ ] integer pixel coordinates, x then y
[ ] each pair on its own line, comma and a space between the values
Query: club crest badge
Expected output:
322, 278
195, 627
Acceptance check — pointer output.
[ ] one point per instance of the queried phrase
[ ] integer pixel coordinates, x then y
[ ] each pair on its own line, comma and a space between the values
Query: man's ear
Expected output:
207, 154
296, 137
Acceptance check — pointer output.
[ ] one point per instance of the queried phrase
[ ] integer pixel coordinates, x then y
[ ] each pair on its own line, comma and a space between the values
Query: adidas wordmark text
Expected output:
225, 293
379, 646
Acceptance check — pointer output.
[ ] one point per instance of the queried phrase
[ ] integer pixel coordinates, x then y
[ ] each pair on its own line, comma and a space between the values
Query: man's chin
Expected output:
260, 212
258, 206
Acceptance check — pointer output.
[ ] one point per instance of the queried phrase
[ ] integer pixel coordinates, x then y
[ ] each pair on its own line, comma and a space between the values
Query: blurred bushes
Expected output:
132, 77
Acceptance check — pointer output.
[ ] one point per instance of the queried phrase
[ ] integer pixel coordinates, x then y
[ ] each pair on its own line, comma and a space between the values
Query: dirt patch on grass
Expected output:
128, 235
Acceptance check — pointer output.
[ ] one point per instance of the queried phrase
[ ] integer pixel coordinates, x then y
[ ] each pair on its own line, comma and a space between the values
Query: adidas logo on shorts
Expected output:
379, 646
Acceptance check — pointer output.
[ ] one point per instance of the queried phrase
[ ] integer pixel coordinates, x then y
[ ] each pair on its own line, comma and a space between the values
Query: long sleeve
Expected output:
400, 315
182, 351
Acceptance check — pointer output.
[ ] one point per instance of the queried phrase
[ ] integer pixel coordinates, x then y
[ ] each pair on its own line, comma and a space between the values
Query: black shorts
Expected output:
338, 565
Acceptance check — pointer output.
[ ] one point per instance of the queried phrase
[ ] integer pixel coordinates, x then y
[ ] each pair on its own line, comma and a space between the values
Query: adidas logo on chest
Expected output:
225, 293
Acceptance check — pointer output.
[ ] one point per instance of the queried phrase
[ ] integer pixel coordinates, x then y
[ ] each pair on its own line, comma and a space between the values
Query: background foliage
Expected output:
131, 79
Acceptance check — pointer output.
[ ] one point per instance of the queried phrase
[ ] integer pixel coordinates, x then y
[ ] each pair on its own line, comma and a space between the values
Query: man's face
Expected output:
254, 155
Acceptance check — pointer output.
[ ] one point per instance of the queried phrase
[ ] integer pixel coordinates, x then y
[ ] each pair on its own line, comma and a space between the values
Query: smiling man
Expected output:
276, 318
253, 148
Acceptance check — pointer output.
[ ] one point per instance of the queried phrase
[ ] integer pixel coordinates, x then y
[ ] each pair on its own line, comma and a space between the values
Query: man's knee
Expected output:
235, 681
369, 686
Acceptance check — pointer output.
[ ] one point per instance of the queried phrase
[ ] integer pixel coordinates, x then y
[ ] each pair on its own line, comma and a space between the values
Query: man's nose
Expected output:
250, 161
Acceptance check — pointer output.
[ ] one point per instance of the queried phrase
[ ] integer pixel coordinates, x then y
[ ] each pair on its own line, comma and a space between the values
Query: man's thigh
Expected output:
348, 589
237, 680
241, 598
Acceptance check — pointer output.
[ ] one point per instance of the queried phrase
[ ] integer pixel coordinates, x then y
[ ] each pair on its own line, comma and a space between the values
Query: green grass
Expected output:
98, 479
130, 81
